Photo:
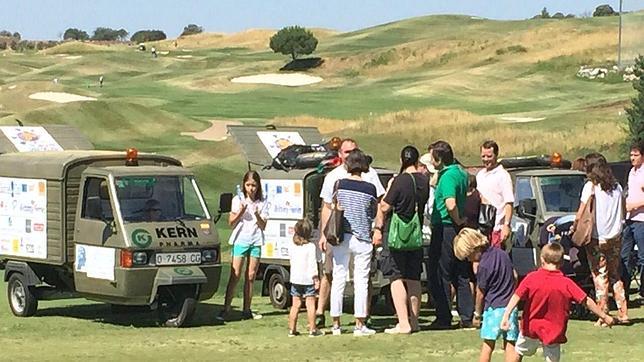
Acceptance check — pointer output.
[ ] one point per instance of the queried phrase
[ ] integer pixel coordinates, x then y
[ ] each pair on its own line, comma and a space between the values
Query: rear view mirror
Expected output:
225, 202
527, 208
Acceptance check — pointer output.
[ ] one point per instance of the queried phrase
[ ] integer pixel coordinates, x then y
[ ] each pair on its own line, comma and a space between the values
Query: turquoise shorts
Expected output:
491, 328
241, 250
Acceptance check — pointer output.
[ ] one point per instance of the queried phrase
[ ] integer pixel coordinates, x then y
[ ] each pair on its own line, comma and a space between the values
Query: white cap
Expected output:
426, 159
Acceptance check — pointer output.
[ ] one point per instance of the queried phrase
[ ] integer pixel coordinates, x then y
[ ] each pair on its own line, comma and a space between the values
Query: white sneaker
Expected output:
454, 313
363, 331
336, 331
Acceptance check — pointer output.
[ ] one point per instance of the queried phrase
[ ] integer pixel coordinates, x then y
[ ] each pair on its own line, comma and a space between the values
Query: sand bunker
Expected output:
60, 97
164, 53
290, 79
521, 119
216, 132
74, 57
12, 87
184, 56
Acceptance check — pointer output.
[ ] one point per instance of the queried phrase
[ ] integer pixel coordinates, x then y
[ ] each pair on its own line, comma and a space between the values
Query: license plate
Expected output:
178, 258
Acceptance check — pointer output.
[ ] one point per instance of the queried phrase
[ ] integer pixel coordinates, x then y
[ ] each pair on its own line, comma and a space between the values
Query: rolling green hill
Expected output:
411, 81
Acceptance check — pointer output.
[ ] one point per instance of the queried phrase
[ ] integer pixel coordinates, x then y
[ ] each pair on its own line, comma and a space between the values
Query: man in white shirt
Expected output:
495, 186
326, 194
633, 233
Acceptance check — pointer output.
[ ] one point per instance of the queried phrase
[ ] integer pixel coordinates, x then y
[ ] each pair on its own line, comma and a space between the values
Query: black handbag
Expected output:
333, 229
487, 218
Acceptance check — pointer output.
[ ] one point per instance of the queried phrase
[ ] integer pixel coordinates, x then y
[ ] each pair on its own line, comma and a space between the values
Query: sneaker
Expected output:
436, 325
320, 321
363, 331
467, 326
316, 333
336, 330
454, 313
250, 315
293, 333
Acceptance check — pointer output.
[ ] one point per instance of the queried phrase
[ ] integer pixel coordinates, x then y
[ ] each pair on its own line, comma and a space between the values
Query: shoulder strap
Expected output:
413, 180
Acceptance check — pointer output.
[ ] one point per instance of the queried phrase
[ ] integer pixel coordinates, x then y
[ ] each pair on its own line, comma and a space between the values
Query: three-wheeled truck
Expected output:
122, 228
291, 195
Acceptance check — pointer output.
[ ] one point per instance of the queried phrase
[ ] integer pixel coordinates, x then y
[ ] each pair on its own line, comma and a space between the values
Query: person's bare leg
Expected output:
511, 354
235, 273
399, 296
414, 293
486, 350
251, 271
292, 316
325, 293
310, 313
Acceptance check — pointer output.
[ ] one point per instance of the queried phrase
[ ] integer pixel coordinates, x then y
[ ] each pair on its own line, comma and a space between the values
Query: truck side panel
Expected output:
55, 251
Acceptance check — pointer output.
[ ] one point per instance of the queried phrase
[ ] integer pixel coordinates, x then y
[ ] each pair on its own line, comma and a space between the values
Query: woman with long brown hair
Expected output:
604, 250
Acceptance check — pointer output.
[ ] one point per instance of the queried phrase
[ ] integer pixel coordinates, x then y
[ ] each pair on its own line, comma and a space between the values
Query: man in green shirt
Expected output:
447, 220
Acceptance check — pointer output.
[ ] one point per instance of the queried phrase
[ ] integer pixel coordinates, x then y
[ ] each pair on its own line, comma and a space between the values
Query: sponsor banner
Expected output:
31, 139
274, 142
284, 199
23, 217
97, 262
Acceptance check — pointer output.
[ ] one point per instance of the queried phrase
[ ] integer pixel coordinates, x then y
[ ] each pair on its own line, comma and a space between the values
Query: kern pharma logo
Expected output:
141, 238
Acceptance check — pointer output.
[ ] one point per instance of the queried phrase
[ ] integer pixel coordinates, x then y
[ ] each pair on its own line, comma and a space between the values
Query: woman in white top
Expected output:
248, 220
604, 251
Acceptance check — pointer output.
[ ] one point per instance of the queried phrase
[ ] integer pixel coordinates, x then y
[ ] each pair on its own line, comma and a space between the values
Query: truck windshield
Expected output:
561, 193
159, 198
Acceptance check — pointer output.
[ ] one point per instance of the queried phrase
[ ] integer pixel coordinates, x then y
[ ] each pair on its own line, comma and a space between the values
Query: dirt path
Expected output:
216, 132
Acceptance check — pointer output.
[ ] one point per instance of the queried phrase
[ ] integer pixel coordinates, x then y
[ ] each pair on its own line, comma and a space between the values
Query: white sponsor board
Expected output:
284, 199
31, 139
23, 217
277, 141
278, 235
97, 262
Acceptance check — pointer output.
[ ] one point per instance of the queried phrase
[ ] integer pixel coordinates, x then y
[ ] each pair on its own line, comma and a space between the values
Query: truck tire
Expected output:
278, 292
22, 301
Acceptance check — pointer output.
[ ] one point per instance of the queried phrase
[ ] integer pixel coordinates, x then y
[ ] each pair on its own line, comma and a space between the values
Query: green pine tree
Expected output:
636, 111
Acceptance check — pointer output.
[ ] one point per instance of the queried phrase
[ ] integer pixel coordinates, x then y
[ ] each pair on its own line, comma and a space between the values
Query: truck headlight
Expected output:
209, 255
139, 258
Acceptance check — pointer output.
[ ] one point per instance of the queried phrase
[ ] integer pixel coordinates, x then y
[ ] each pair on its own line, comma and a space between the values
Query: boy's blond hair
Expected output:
303, 230
552, 253
468, 241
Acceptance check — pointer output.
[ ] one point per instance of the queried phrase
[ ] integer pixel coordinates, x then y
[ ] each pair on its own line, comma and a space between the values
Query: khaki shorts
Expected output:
526, 346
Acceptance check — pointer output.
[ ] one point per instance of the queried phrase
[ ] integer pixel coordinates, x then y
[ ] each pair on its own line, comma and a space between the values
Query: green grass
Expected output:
74, 330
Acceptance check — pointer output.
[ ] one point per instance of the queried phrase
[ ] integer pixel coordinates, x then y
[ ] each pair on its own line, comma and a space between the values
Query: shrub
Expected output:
143, 36
604, 10
636, 111
191, 29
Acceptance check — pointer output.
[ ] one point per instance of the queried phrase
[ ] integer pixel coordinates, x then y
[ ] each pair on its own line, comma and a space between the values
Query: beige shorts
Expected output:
526, 346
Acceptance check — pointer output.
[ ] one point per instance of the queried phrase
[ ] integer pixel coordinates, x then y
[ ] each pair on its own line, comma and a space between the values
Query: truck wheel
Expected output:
176, 306
279, 295
22, 301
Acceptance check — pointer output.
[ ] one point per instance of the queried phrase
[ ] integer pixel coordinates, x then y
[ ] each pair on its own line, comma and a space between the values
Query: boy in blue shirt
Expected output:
495, 283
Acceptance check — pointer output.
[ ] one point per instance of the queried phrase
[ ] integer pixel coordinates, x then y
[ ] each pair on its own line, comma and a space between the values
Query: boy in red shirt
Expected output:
547, 294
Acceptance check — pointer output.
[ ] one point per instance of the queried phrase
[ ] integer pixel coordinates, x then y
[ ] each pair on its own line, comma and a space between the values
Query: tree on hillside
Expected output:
109, 34
75, 34
636, 111
191, 29
294, 41
545, 14
558, 15
16, 35
143, 36
604, 10
5, 33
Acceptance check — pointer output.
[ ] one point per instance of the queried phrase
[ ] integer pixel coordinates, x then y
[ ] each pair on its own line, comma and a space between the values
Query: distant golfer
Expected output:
100, 81
154, 52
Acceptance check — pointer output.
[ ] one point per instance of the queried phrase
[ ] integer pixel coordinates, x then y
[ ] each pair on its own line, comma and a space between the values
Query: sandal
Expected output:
623, 321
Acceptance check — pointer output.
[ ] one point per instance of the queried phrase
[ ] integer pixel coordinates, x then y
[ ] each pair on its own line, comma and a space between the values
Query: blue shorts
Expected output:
298, 290
242, 250
491, 328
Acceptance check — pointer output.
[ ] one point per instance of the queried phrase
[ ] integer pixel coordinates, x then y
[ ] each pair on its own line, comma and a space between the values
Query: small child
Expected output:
547, 294
495, 282
304, 277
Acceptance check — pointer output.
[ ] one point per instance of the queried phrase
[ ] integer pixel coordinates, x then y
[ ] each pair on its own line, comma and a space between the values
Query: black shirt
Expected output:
404, 199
